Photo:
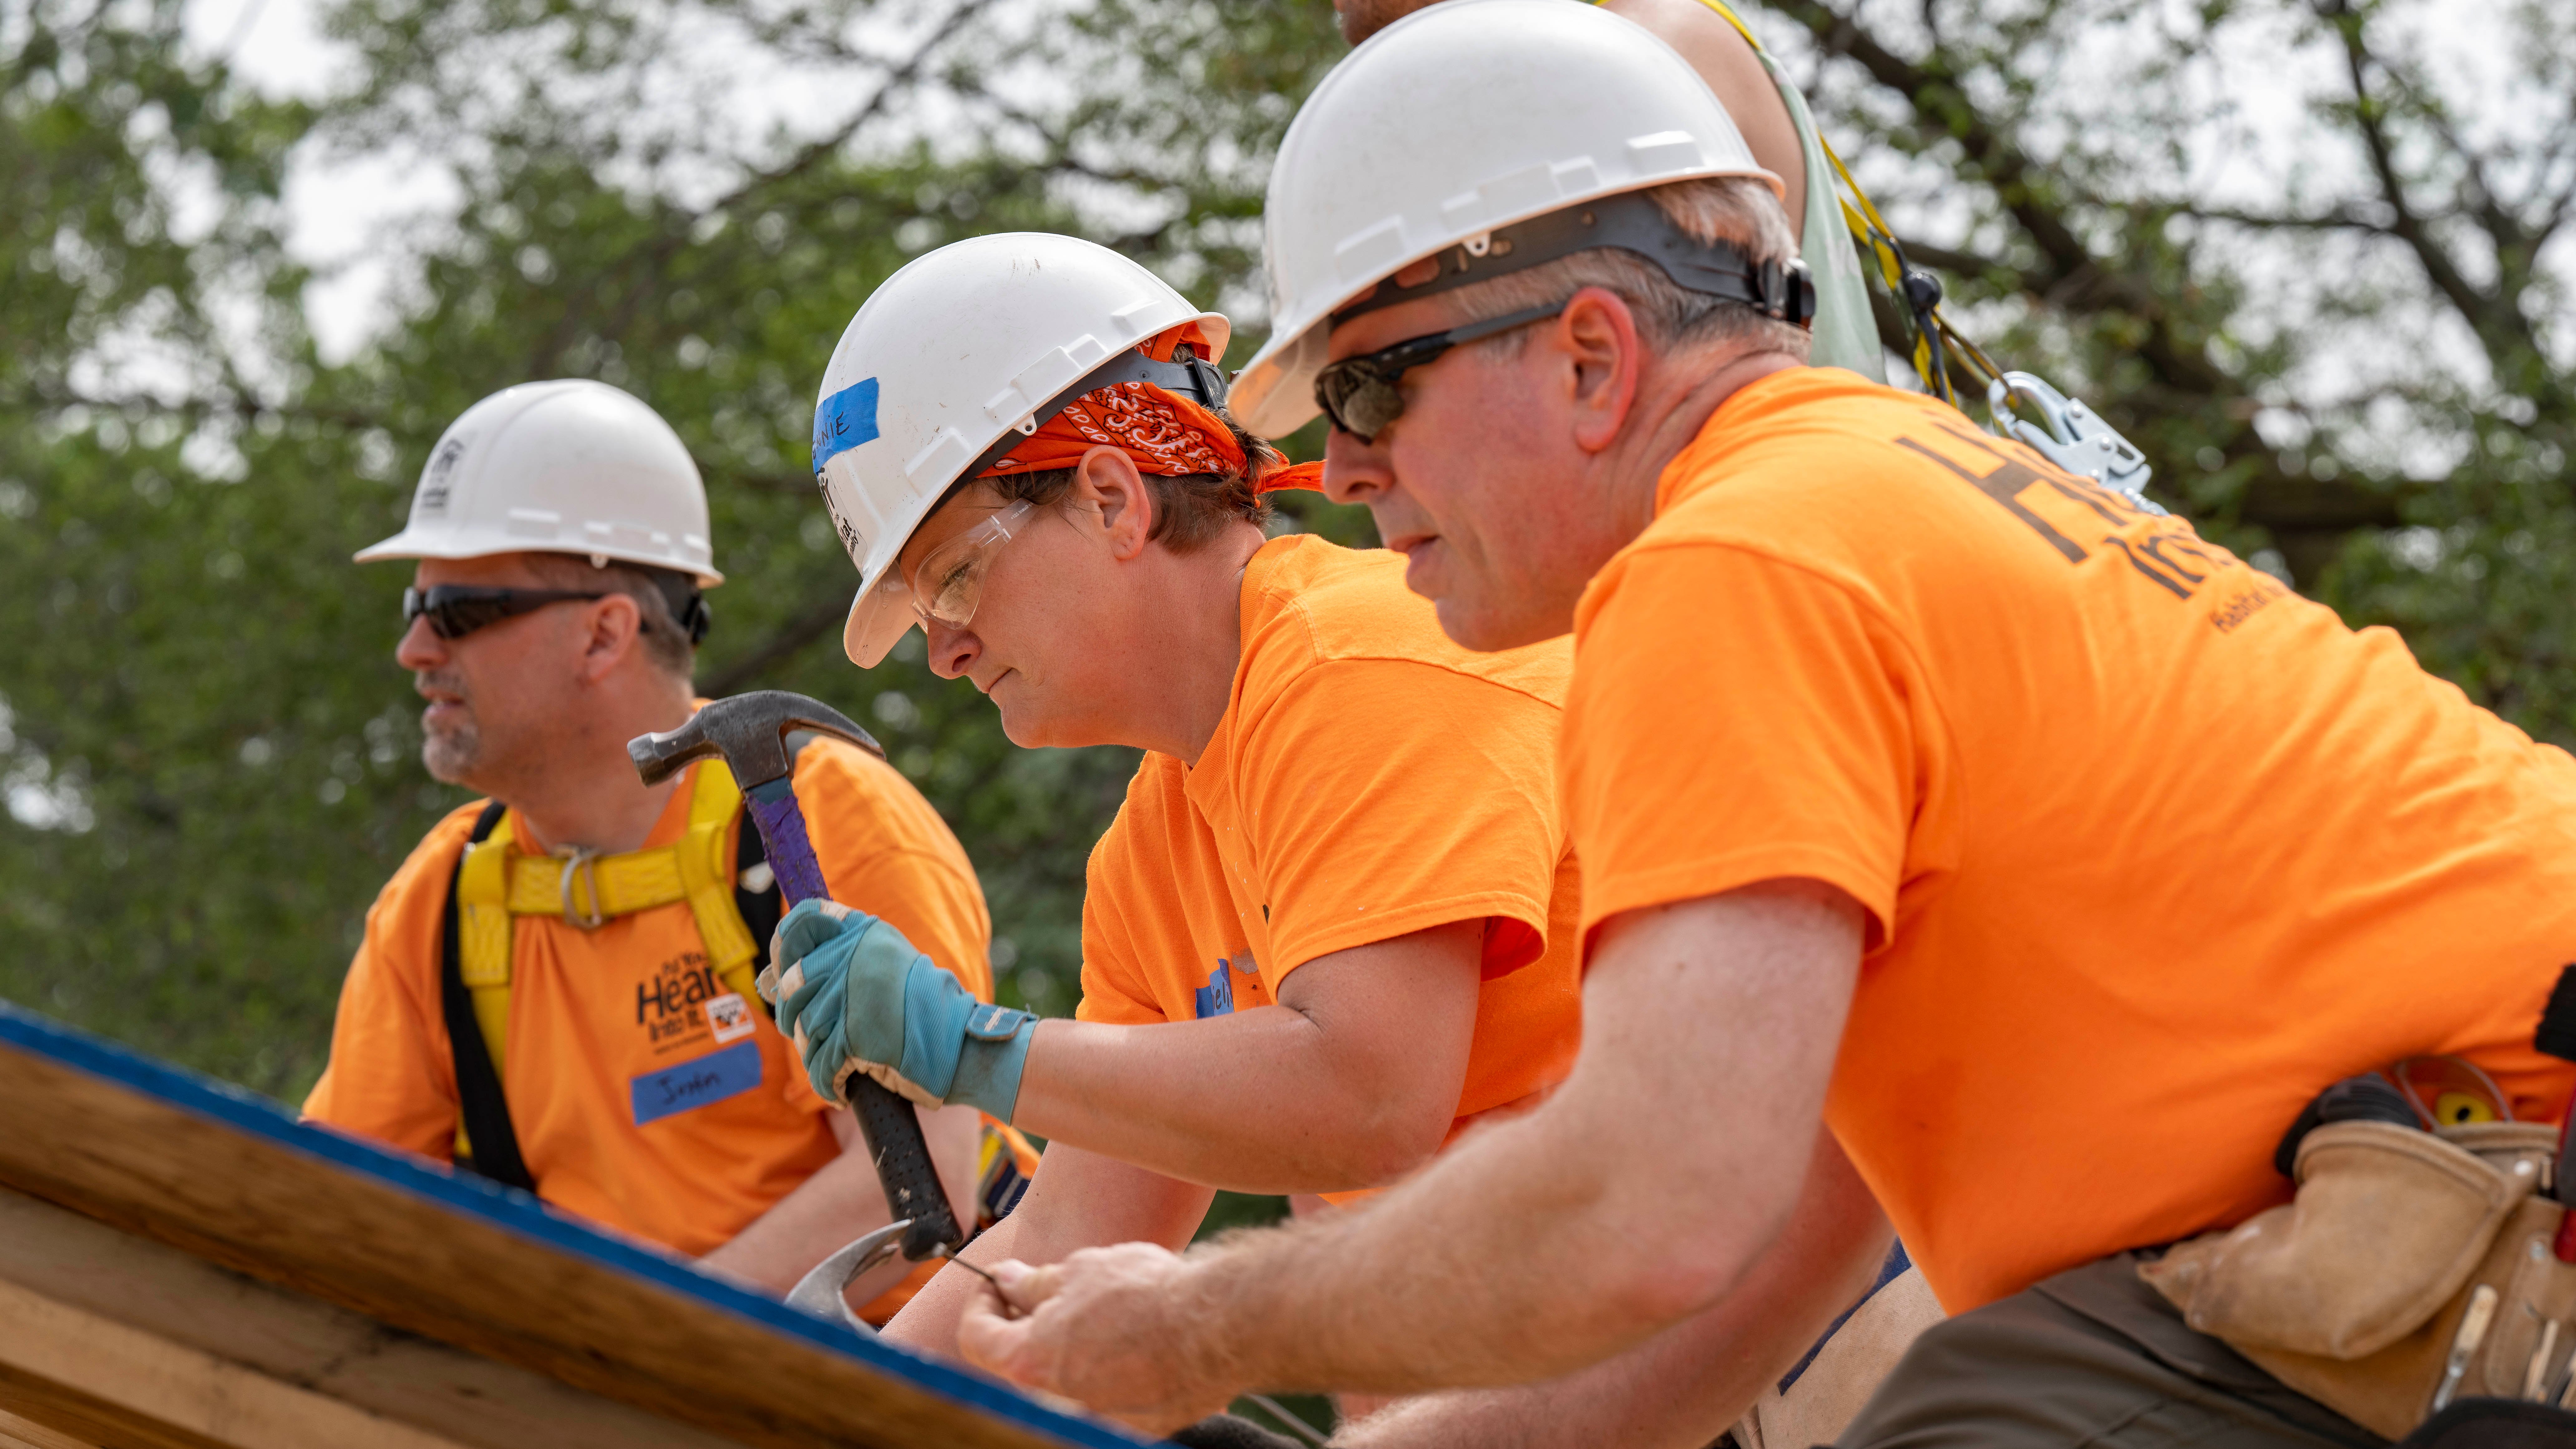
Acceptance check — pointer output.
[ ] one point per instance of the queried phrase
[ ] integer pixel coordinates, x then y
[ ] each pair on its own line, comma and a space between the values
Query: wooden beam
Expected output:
96, 1378
17, 1433
84, 1274
234, 1180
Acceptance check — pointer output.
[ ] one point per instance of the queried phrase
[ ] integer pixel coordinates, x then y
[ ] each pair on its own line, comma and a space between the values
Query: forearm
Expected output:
1580, 1197
1078, 1200
1683, 1387
836, 1204
929, 1321
1148, 1095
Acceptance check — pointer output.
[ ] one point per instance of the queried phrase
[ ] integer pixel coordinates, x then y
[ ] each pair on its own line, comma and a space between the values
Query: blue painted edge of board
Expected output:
518, 1212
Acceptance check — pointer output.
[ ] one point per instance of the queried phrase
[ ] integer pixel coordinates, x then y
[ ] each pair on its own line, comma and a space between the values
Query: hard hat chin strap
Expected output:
1779, 289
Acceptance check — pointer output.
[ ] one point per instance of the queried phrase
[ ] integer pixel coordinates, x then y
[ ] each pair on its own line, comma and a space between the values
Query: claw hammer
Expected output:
749, 732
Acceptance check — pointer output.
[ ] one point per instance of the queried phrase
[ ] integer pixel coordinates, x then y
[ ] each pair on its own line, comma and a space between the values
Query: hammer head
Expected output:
749, 731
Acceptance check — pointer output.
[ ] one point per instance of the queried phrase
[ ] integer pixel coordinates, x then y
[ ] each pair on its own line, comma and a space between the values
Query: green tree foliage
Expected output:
2357, 360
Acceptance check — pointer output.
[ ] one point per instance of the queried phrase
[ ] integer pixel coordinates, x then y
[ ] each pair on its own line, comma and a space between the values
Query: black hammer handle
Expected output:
892, 1128
911, 1184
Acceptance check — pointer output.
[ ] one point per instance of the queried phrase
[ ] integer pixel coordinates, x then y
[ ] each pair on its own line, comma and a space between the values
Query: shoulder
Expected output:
858, 804
403, 922
1856, 483
1822, 445
434, 859
1311, 605
1156, 808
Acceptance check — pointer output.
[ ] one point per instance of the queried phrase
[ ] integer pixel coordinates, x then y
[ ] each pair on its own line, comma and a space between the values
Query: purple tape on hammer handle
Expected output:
790, 850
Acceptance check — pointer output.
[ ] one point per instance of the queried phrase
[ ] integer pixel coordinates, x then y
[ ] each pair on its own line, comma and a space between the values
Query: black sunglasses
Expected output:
1359, 393
456, 610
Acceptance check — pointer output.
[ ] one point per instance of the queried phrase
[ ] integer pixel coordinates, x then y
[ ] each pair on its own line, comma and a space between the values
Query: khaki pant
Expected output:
1843, 1371
2094, 1358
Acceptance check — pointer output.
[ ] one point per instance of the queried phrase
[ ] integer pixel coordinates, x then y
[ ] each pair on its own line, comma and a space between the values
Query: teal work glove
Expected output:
855, 997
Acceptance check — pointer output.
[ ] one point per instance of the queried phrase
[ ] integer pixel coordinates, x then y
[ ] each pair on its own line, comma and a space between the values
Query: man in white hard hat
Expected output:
1327, 930
1778, 130
556, 988
1937, 807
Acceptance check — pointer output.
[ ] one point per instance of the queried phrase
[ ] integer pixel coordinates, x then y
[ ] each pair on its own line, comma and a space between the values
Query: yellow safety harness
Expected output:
496, 881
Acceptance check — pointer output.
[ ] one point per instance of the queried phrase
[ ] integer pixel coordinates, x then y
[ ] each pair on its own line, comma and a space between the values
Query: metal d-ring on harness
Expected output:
2068, 433
582, 865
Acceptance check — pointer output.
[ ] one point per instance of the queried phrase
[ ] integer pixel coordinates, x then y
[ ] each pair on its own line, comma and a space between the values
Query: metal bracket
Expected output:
2072, 436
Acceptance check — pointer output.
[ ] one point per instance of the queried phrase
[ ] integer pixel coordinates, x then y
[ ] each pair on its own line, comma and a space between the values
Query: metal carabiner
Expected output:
2072, 436
597, 915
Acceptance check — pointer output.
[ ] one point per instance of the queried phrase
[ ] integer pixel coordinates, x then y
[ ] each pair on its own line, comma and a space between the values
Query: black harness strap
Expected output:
479, 1100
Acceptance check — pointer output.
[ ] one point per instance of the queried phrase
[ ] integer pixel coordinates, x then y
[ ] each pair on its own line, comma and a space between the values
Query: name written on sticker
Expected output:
695, 1083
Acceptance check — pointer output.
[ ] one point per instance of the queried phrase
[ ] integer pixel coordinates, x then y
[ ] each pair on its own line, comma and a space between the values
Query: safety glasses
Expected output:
1360, 394
456, 610
950, 581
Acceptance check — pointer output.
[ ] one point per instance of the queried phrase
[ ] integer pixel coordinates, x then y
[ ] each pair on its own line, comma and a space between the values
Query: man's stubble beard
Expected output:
451, 756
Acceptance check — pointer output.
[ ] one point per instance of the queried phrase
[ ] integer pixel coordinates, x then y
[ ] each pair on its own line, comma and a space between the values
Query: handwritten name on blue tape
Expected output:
710, 1078
844, 420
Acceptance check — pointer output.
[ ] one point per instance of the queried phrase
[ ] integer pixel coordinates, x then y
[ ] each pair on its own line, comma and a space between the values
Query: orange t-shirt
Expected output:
598, 1020
1369, 779
2152, 848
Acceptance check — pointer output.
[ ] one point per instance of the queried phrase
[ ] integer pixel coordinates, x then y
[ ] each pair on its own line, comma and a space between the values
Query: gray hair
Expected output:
1738, 210
666, 644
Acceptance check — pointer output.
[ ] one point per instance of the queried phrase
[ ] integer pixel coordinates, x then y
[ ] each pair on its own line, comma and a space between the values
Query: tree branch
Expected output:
2070, 270
649, 269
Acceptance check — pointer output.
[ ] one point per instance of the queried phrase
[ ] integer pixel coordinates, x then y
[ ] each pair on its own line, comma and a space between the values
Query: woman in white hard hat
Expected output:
1327, 928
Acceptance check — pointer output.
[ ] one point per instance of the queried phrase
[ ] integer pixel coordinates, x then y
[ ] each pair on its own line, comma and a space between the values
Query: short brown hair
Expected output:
1740, 211
666, 643
1191, 510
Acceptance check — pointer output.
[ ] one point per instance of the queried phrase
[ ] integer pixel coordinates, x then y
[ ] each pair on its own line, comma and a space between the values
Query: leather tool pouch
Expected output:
2352, 1294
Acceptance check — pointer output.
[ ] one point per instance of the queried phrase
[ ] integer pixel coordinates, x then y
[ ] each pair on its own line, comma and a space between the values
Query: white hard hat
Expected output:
968, 347
1460, 118
560, 467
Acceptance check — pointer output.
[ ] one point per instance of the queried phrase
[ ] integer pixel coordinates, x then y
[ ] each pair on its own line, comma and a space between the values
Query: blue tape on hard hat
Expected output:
846, 419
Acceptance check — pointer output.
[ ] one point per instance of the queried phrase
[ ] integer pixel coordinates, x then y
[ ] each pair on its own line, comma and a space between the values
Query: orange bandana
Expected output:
1161, 430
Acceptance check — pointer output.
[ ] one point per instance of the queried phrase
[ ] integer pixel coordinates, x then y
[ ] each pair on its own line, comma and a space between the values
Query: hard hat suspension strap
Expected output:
1187, 374
1780, 290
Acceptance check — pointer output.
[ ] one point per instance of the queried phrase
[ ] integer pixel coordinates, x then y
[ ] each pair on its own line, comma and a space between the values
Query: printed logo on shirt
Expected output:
2073, 514
667, 1006
696, 1083
731, 1016
1217, 997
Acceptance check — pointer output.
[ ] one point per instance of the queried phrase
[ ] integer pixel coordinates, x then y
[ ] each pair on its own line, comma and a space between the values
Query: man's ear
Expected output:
1597, 336
1106, 480
615, 621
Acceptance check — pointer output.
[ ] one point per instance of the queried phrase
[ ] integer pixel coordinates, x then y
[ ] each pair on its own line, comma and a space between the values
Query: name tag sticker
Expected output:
846, 419
710, 1078
730, 1016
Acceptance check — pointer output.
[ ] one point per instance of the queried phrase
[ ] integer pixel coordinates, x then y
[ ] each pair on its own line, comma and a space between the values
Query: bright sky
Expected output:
2255, 144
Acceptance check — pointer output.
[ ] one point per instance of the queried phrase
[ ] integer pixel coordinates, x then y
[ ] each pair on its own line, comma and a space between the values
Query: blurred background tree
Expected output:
2306, 252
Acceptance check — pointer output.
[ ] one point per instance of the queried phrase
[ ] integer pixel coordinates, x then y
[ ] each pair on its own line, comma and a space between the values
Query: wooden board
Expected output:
94, 1320
233, 1180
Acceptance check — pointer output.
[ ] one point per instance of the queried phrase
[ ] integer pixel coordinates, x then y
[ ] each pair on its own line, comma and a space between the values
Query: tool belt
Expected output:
2412, 1268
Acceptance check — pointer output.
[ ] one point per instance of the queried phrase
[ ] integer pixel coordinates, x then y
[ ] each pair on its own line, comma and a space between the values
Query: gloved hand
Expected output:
854, 996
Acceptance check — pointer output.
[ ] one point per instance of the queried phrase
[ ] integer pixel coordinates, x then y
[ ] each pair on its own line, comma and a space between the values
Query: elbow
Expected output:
1664, 1282
1382, 1143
